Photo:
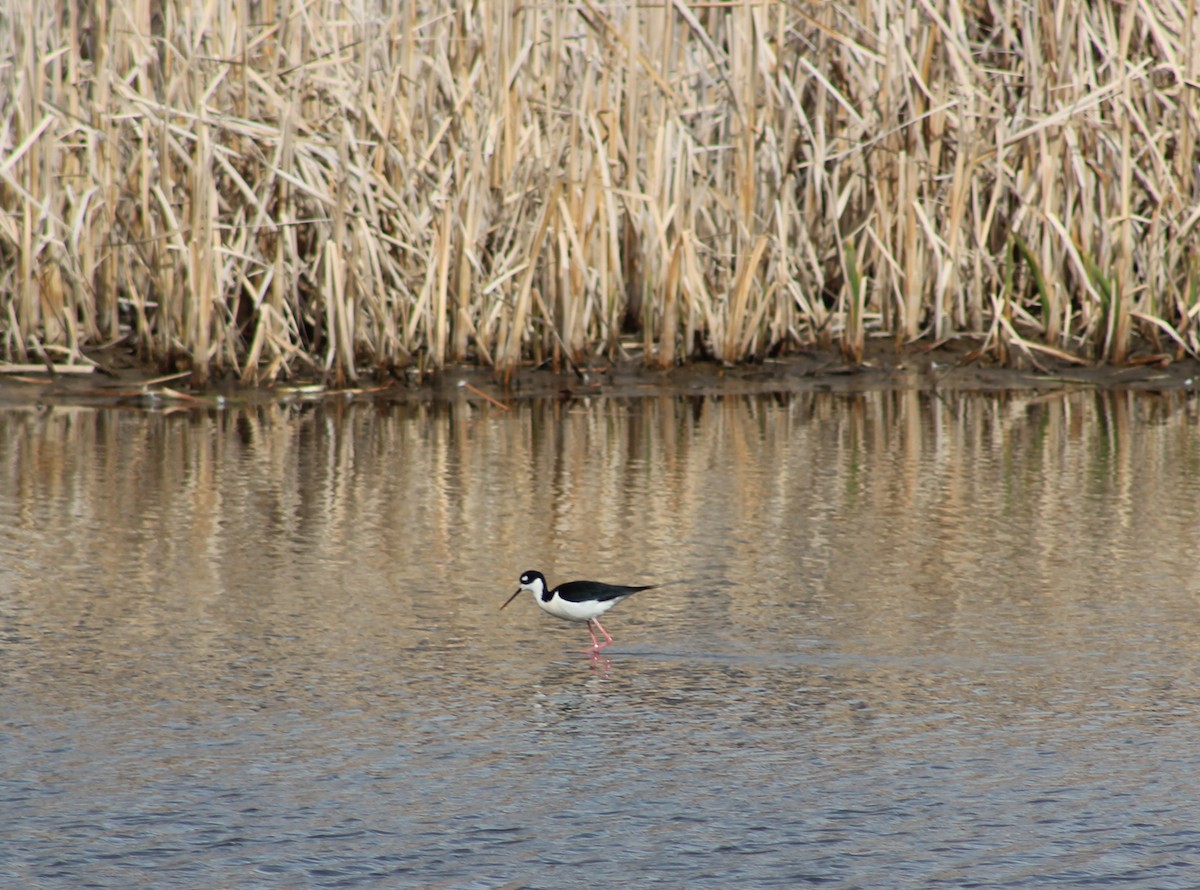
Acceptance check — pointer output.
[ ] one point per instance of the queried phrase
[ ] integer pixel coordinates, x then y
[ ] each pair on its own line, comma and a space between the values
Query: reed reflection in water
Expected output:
924, 639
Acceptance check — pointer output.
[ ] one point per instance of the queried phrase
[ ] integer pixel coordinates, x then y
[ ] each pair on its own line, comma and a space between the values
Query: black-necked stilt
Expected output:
577, 600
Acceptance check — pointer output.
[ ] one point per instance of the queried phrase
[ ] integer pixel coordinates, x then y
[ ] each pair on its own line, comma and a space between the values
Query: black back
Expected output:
593, 591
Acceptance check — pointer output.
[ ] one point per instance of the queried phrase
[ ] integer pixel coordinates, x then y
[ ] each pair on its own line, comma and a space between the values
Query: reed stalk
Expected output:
853, 337
242, 187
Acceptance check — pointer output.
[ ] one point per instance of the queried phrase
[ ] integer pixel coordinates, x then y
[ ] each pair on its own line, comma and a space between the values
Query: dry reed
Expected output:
291, 187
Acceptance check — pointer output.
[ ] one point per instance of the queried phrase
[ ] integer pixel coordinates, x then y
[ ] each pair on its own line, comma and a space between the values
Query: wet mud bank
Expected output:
119, 380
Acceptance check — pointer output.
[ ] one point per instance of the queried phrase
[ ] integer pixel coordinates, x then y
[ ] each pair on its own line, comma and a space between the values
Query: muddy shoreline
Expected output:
120, 380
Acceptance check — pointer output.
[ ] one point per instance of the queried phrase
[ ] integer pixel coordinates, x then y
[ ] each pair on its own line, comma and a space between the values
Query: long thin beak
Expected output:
513, 597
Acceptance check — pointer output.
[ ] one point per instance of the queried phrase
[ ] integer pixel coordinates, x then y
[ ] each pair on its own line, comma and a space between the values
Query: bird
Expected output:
577, 601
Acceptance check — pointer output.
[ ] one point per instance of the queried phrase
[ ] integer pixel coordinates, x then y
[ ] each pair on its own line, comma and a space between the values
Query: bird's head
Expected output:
535, 582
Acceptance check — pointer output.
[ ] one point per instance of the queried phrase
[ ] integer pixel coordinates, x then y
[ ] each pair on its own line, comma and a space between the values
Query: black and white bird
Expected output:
577, 601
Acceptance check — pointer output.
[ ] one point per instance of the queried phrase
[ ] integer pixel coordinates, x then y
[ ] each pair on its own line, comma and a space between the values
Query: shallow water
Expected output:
919, 640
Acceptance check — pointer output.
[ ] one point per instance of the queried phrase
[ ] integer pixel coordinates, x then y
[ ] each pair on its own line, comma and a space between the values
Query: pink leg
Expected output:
595, 643
607, 639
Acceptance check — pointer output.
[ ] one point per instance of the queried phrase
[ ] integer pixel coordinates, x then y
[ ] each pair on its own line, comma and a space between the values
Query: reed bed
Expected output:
281, 188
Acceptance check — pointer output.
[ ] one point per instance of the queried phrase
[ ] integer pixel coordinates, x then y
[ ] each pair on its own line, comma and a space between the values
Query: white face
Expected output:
533, 582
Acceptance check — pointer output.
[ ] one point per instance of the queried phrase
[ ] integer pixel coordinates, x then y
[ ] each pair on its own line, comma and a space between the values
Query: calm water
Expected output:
921, 641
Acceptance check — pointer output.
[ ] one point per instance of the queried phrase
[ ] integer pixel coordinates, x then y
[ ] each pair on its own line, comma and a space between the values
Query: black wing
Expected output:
595, 591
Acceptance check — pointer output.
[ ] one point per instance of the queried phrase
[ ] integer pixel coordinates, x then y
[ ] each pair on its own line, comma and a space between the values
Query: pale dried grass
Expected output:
289, 187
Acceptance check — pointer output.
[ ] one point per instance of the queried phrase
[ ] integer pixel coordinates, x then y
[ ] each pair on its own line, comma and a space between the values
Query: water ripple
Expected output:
924, 642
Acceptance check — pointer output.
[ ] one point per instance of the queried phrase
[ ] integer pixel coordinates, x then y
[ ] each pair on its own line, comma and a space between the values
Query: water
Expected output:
922, 641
